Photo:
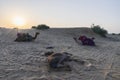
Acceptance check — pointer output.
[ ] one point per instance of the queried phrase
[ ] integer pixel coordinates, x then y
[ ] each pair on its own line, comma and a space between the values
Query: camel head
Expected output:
36, 34
82, 38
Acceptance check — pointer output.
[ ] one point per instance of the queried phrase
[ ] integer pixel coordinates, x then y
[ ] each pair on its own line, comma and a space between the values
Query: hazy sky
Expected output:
62, 13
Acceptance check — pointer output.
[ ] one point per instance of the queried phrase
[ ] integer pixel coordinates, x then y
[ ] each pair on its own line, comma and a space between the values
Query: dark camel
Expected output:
25, 37
85, 40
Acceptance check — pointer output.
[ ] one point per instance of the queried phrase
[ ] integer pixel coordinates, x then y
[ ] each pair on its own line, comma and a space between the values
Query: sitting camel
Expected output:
56, 60
61, 60
86, 41
25, 37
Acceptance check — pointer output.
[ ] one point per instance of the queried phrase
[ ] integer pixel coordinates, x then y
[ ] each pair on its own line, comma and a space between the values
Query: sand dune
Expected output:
25, 60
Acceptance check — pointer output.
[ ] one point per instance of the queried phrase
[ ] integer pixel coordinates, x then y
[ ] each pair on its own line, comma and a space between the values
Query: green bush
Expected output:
34, 27
42, 26
97, 29
113, 34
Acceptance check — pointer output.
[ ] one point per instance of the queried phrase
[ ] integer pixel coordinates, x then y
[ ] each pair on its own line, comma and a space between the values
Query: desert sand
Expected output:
26, 60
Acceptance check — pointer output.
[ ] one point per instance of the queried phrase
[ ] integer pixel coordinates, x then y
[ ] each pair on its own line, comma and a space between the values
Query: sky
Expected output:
62, 13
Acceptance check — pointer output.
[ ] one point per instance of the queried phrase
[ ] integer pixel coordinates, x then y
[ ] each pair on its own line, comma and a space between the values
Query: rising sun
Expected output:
18, 21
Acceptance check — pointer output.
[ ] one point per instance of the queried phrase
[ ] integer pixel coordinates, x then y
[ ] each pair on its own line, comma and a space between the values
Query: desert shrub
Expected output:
34, 27
101, 31
113, 34
42, 27
15, 28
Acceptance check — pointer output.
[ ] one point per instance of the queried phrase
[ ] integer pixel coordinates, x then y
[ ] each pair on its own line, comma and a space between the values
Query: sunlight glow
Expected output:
18, 21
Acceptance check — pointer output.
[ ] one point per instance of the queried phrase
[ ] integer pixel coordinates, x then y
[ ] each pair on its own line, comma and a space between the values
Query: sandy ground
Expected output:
25, 60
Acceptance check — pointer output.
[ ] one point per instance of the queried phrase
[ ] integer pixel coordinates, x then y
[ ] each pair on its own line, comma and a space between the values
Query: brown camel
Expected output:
25, 37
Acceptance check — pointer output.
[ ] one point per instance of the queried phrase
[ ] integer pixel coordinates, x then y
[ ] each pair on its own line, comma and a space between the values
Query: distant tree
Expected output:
97, 29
